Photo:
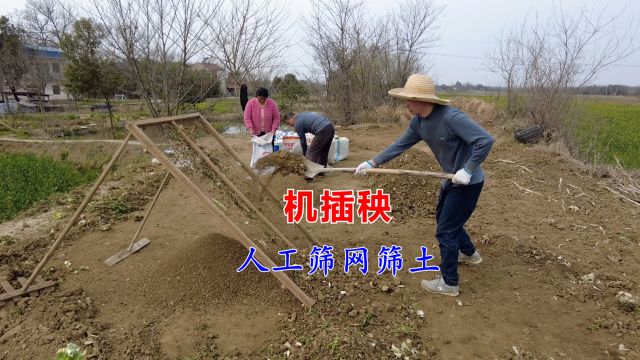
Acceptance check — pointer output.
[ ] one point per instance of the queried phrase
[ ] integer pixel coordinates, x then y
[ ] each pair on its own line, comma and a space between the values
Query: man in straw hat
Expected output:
460, 145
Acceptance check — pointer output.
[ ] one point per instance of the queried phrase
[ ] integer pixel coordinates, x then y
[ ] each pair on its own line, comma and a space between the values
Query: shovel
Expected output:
134, 246
312, 169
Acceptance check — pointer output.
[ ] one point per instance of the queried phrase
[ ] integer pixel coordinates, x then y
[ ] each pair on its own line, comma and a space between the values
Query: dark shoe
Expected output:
308, 179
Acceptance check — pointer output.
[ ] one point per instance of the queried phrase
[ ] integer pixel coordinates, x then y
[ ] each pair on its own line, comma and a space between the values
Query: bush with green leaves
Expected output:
289, 91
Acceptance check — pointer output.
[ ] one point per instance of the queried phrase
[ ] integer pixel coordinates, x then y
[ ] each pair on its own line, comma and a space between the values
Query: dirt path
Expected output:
181, 296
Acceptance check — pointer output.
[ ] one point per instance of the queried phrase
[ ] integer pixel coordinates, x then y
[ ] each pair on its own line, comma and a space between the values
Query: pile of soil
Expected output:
197, 276
284, 162
411, 196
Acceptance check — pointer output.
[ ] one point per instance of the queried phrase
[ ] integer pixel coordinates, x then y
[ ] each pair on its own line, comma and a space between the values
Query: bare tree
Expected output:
12, 58
158, 40
248, 38
401, 42
507, 63
544, 63
336, 35
414, 25
38, 74
361, 63
46, 21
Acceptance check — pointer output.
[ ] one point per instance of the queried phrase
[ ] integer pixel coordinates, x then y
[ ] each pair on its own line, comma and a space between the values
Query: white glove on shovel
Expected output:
362, 168
461, 177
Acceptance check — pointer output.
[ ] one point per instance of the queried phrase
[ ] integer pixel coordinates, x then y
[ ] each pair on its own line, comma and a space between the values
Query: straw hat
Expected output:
419, 88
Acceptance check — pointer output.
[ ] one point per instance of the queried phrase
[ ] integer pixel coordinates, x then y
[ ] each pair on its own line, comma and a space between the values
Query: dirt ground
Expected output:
557, 248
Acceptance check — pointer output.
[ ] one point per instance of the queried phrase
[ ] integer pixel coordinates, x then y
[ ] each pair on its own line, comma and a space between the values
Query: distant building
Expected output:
210, 67
228, 86
48, 70
44, 80
231, 87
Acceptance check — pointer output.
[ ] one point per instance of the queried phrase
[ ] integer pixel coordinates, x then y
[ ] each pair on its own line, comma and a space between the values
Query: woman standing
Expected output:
261, 116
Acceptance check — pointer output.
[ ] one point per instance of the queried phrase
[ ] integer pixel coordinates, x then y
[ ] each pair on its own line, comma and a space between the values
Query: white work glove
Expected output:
362, 168
461, 177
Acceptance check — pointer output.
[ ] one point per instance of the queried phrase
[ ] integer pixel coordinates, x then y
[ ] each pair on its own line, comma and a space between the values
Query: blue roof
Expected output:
45, 51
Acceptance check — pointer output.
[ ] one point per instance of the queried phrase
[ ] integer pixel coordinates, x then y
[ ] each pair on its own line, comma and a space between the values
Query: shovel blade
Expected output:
123, 254
312, 169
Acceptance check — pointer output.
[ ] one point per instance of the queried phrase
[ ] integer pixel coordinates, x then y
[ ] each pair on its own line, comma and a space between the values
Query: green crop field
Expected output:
28, 179
616, 130
609, 126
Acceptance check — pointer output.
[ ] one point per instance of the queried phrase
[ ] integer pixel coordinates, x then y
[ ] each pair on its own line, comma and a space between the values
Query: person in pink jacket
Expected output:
261, 116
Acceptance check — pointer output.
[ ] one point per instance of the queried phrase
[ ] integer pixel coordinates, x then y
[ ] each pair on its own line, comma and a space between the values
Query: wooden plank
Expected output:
15, 295
23, 282
164, 120
255, 177
239, 234
230, 184
7, 286
32, 288
124, 253
140, 244
79, 211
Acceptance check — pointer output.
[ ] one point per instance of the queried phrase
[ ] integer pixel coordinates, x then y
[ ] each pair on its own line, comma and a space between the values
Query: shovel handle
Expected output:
394, 172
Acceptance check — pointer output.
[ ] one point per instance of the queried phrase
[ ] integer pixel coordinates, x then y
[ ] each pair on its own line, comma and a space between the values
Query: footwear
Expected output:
308, 179
438, 286
474, 259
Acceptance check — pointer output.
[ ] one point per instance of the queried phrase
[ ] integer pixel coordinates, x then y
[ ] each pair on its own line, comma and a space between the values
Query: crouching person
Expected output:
321, 128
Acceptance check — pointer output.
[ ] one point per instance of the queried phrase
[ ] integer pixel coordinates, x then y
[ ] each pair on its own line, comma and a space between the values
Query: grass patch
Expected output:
39, 119
61, 117
23, 134
612, 129
219, 106
218, 126
203, 106
28, 179
594, 326
226, 106
332, 347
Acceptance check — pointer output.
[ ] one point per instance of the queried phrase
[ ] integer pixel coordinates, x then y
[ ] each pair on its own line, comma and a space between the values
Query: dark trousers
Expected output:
318, 152
455, 206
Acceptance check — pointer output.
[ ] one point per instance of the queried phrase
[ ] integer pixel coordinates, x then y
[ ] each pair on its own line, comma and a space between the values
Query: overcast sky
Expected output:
467, 30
